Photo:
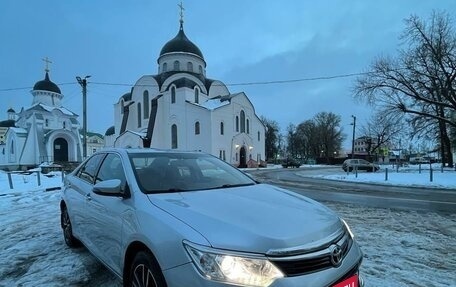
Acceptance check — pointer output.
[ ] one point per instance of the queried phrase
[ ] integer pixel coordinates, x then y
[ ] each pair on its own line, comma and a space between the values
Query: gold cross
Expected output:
47, 64
181, 6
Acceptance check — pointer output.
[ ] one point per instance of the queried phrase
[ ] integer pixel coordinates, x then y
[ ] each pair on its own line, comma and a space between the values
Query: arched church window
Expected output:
174, 136
222, 128
190, 66
196, 96
46, 122
12, 147
139, 115
64, 125
248, 126
200, 69
146, 103
176, 66
165, 67
258, 136
242, 115
173, 95
197, 128
237, 124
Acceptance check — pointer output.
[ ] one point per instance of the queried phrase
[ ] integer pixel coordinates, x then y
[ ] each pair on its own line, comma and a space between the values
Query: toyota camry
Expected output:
172, 218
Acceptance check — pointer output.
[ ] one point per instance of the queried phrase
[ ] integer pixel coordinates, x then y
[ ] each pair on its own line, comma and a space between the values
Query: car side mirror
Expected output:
111, 187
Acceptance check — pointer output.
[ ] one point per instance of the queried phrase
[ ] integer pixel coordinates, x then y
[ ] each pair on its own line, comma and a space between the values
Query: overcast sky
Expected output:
242, 41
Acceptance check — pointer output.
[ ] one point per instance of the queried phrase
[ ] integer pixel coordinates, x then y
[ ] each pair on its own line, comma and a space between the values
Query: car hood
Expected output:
258, 218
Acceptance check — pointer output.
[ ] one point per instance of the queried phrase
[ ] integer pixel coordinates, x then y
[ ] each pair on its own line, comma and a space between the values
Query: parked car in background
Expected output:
291, 162
170, 218
359, 164
419, 160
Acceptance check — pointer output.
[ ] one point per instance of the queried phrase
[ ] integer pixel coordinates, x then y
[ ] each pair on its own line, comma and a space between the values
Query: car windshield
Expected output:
176, 172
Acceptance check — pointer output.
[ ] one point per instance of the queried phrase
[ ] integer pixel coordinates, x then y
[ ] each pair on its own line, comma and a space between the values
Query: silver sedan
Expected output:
172, 218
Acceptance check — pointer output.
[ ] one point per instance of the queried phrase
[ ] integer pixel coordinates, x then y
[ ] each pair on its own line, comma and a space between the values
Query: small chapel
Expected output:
181, 108
45, 132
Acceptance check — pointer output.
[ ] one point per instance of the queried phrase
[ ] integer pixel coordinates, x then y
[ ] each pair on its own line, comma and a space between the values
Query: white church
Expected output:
180, 108
44, 132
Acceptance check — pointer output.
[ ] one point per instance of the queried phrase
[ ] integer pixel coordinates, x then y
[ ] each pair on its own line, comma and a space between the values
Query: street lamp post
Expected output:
83, 83
353, 139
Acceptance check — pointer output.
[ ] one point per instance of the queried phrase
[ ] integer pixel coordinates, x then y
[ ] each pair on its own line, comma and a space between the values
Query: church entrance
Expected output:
242, 158
60, 150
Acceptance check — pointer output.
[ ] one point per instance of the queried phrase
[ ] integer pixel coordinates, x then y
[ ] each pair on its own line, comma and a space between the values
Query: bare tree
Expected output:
380, 131
330, 133
421, 81
318, 137
271, 138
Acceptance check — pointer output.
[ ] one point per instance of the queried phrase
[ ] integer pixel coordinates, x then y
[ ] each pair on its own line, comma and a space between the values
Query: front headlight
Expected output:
232, 268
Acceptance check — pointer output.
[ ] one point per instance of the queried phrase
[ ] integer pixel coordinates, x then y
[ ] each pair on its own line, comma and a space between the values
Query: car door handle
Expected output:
88, 197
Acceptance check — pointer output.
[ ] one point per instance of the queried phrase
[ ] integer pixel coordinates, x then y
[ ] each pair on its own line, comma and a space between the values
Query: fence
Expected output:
426, 170
38, 177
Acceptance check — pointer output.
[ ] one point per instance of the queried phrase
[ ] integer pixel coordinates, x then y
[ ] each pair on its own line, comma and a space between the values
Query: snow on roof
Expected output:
50, 109
19, 130
218, 102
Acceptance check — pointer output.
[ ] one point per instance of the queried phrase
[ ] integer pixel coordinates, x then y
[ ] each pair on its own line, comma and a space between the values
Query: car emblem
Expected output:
335, 254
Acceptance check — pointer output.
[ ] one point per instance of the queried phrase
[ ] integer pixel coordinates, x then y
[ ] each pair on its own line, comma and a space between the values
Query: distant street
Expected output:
373, 195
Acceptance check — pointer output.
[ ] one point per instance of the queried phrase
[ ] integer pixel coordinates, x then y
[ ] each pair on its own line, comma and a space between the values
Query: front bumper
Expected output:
187, 275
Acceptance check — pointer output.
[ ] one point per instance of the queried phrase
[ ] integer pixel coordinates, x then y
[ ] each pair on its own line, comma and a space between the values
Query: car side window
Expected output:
111, 168
88, 171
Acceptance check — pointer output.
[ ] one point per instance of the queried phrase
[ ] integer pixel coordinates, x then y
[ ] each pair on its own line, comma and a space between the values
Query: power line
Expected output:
29, 88
320, 78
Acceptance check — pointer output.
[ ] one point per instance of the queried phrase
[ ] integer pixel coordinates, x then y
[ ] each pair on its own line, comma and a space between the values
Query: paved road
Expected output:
385, 196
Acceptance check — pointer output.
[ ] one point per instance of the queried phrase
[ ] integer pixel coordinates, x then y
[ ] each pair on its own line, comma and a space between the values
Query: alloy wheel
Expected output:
143, 277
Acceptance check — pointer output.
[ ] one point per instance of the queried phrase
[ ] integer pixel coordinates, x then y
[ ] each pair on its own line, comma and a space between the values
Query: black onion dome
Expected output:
181, 43
10, 110
110, 131
46, 85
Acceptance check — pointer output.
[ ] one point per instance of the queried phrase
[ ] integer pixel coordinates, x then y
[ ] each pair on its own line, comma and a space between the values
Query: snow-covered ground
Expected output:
401, 248
411, 175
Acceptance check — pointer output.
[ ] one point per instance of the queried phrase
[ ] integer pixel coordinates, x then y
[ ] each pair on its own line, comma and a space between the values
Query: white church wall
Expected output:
255, 148
46, 97
145, 83
3, 154
183, 59
201, 142
221, 143
15, 139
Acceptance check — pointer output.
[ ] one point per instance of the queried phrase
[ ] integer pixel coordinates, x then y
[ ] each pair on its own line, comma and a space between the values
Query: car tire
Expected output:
145, 272
67, 228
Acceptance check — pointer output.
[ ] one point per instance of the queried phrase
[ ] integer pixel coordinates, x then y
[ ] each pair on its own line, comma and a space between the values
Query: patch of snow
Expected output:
401, 248
405, 177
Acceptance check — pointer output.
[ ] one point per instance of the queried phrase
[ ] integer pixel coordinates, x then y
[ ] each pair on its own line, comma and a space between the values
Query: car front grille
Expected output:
313, 261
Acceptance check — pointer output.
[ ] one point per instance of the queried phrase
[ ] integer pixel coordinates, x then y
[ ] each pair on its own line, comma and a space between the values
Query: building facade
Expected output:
42, 133
181, 108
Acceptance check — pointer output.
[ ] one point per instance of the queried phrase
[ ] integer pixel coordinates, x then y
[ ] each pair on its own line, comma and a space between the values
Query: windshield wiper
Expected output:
234, 185
171, 190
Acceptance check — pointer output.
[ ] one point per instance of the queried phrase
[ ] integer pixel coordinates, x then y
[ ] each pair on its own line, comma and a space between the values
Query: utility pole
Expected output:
83, 83
353, 140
